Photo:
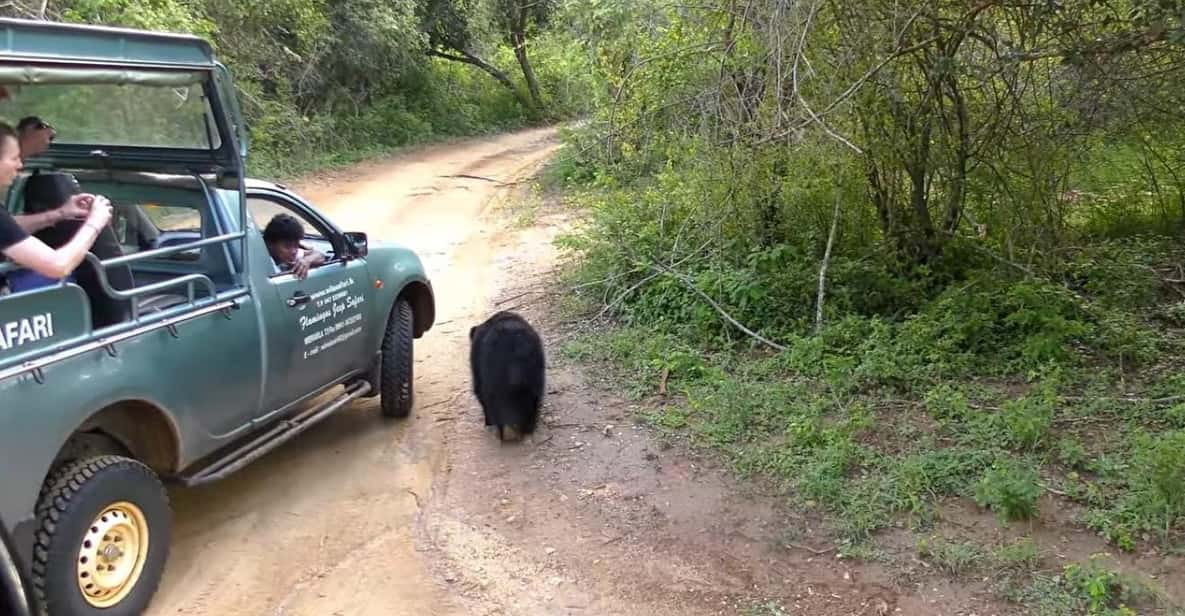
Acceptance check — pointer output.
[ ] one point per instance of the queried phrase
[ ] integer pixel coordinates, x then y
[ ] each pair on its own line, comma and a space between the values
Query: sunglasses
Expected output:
42, 125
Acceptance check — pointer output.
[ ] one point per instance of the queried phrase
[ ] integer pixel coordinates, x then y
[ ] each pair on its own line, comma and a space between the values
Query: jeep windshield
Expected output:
113, 108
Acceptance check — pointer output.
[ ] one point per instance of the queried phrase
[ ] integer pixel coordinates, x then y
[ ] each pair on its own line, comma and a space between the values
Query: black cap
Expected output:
31, 122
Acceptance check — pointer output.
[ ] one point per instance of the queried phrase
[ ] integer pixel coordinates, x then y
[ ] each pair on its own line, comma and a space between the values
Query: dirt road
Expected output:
593, 515
326, 525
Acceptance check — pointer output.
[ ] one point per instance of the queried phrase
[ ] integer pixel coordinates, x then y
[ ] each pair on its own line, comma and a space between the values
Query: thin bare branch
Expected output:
690, 284
823, 267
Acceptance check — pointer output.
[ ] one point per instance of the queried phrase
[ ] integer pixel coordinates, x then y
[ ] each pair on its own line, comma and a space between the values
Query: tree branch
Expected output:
471, 59
711, 302
823, 267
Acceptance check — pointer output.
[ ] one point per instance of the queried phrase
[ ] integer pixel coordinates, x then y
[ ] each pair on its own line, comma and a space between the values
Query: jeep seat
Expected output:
47, 191
159, 301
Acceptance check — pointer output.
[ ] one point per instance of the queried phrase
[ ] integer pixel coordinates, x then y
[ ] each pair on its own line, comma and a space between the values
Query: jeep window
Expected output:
263, 209
146, 226
113, 108
164, 212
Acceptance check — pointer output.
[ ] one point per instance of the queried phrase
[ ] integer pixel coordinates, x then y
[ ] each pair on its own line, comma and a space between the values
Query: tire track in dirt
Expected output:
325, 524
594, 515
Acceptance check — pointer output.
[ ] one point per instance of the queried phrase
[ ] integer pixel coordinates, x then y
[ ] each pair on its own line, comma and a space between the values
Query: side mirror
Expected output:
356, 243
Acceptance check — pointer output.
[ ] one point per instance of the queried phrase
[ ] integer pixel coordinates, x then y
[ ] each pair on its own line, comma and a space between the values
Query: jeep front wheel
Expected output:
103, 534
395, 371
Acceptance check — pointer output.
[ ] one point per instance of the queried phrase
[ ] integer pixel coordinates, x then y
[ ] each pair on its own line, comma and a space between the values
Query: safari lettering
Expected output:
21, 332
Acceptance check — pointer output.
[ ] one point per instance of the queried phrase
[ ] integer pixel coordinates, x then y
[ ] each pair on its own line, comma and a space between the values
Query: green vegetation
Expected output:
326, 82
1091, 587
767, 609
898, 255
1011, 490
1082, 588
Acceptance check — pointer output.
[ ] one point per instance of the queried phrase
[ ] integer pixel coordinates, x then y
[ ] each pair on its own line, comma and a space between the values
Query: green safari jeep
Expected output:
178, 352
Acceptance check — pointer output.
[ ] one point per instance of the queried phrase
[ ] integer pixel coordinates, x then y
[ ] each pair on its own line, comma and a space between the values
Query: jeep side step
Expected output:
278, 435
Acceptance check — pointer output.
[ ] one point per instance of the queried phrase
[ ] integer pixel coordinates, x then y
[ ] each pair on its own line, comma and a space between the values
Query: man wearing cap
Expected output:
35, 135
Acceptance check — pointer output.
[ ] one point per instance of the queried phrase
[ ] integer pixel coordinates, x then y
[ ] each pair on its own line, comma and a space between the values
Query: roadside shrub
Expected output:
1151, 492
1117, 273
996, 325
1027, 419
1011, 490
1100, 590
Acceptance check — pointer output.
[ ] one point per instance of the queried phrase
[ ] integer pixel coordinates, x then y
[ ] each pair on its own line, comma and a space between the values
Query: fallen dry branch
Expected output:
466, 176
521, 295
1130, 400
624, 294
634, 287
717, 307
807, 548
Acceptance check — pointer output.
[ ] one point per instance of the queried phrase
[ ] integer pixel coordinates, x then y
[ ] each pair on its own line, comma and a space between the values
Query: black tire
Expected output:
396, 365
68, 513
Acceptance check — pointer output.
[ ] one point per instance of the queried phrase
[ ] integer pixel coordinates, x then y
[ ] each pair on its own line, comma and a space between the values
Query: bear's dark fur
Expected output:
508, 369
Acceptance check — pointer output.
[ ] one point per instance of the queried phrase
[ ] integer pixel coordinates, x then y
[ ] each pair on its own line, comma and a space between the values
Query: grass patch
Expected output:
956, 558
768, 608
1089, 588
873, 455
961, 380
1020, 555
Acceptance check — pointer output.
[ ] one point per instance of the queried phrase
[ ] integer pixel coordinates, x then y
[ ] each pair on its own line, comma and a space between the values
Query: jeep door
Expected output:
316, 329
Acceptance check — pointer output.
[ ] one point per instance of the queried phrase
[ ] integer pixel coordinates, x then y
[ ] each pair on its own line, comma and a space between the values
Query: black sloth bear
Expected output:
506, 359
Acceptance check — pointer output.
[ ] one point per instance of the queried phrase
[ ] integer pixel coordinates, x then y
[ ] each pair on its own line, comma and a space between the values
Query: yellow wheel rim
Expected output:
112, 554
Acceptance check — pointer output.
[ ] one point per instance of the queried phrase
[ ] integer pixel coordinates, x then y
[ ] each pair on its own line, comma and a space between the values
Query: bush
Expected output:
1160, 471
1011, 490
1027, 420
1100, 590
997, 325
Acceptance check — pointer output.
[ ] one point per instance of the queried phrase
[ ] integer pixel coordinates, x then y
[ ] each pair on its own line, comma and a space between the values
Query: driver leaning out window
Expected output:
283, 236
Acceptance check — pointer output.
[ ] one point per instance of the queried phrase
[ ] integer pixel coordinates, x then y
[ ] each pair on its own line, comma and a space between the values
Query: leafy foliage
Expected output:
959, 243
1011, 490
332, 81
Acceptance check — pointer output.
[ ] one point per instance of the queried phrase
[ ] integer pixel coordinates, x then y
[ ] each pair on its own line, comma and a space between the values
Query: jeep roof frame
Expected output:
67, 53
61, 49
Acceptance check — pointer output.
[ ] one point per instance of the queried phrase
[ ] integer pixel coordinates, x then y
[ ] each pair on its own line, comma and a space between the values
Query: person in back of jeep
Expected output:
35, 136
15, 242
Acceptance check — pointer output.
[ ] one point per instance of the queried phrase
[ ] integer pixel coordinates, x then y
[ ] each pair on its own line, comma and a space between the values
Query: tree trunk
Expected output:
472, 60
518, 36
958, 189
924, 246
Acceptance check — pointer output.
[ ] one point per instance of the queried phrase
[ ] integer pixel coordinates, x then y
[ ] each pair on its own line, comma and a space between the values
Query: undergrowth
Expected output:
971, 380
1089, 588
1024, 360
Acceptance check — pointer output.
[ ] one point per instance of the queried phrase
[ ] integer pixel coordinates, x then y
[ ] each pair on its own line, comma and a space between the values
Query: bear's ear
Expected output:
472, 330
